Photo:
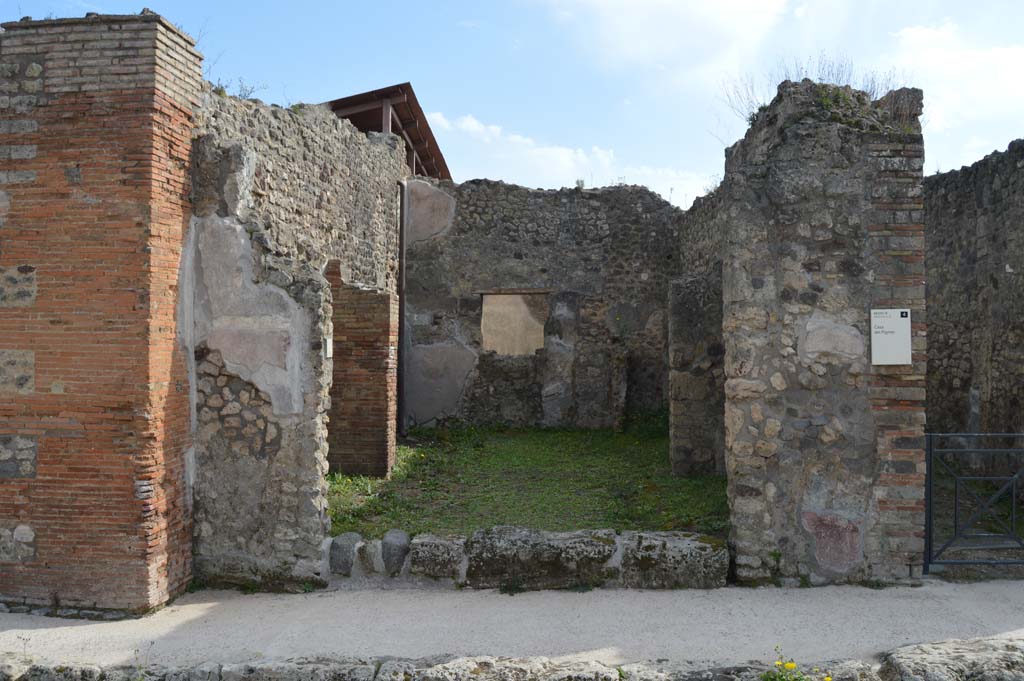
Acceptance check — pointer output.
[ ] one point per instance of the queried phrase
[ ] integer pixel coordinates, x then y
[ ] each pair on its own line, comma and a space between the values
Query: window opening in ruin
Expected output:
512, 322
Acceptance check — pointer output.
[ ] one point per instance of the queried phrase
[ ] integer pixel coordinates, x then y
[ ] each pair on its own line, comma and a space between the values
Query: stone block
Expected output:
343, 553
517, 557
17, 286
16, 176
370, 558
825, 340
17, 456
744, 389
437, 557
394, 547
17, 543
673, 560
17, 371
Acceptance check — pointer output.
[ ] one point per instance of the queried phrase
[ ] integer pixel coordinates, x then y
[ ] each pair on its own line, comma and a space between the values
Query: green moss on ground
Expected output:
453, 481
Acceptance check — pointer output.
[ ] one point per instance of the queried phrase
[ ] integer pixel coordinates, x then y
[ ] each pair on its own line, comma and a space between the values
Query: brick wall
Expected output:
364, 392
895, 250
95, 116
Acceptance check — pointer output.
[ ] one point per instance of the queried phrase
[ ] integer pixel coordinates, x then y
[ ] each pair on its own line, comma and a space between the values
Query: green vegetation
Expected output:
789, 670
752, 116
461, 479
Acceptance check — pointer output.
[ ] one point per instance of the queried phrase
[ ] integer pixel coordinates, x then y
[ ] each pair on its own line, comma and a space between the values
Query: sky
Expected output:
545, 93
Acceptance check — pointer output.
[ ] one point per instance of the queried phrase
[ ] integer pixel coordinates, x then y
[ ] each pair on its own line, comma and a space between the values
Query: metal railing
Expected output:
983, 472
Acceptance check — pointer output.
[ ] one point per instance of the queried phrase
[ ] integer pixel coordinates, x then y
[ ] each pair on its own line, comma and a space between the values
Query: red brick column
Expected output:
95, 140
364, 393
896, 240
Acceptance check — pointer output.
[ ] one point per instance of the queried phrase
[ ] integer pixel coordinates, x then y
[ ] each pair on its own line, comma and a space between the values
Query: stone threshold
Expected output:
518, 559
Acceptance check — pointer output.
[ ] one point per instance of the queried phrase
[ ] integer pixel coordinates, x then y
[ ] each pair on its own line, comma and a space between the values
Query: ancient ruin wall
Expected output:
603, 258
95, 115
696, 372
824, 450
975, 259
696, 351
278, 194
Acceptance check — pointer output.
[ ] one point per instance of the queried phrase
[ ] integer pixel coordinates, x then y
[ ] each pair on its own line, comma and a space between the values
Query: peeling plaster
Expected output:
258, 329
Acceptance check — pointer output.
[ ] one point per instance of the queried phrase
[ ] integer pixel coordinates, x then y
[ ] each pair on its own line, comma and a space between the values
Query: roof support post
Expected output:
385, 115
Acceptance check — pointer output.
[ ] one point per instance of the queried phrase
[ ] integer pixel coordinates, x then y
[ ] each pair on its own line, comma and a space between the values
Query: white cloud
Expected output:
438, 121
484, 133
964, 81
972, 101
681, 39
482, 150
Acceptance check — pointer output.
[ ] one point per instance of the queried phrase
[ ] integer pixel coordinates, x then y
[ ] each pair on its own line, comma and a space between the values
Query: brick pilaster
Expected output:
95, 120
896, 242
364, 392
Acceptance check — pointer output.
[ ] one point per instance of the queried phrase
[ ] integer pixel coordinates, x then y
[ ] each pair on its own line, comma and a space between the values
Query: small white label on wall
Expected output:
890, 337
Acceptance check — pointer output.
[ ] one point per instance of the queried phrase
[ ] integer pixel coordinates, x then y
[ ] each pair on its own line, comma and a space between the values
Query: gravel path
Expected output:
712, 628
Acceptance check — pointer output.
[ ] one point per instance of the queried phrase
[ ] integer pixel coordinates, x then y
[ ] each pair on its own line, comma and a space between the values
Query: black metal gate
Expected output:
975, 483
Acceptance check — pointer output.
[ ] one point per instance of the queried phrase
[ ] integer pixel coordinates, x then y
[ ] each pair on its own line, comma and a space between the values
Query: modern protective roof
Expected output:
395, 109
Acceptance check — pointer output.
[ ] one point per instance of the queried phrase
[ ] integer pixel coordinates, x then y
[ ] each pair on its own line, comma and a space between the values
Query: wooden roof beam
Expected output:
368, 106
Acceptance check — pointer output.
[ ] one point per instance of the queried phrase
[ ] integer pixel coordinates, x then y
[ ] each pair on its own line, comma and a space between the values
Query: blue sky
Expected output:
545, 92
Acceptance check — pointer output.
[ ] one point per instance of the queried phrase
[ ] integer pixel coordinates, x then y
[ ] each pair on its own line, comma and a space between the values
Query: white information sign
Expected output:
890, 337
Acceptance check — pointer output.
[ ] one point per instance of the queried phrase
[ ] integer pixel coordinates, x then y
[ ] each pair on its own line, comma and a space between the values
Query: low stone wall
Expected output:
515, 558
991, 659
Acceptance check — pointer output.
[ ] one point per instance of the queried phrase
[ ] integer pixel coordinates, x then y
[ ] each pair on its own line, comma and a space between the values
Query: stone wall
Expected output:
278, 194
696, 374
975, 258
602, 257
514, 559
95, 115
824, 450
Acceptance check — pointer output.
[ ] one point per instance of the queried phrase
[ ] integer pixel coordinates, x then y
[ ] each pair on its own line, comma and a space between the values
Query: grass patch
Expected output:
453, 481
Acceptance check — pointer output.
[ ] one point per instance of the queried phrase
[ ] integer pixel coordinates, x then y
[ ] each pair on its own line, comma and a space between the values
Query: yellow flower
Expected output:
778, 663
827, 678
790, 665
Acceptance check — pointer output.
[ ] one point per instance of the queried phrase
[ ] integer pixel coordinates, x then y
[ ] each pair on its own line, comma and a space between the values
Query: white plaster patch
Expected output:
825, 339
430, 211
259, 330
437, 375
